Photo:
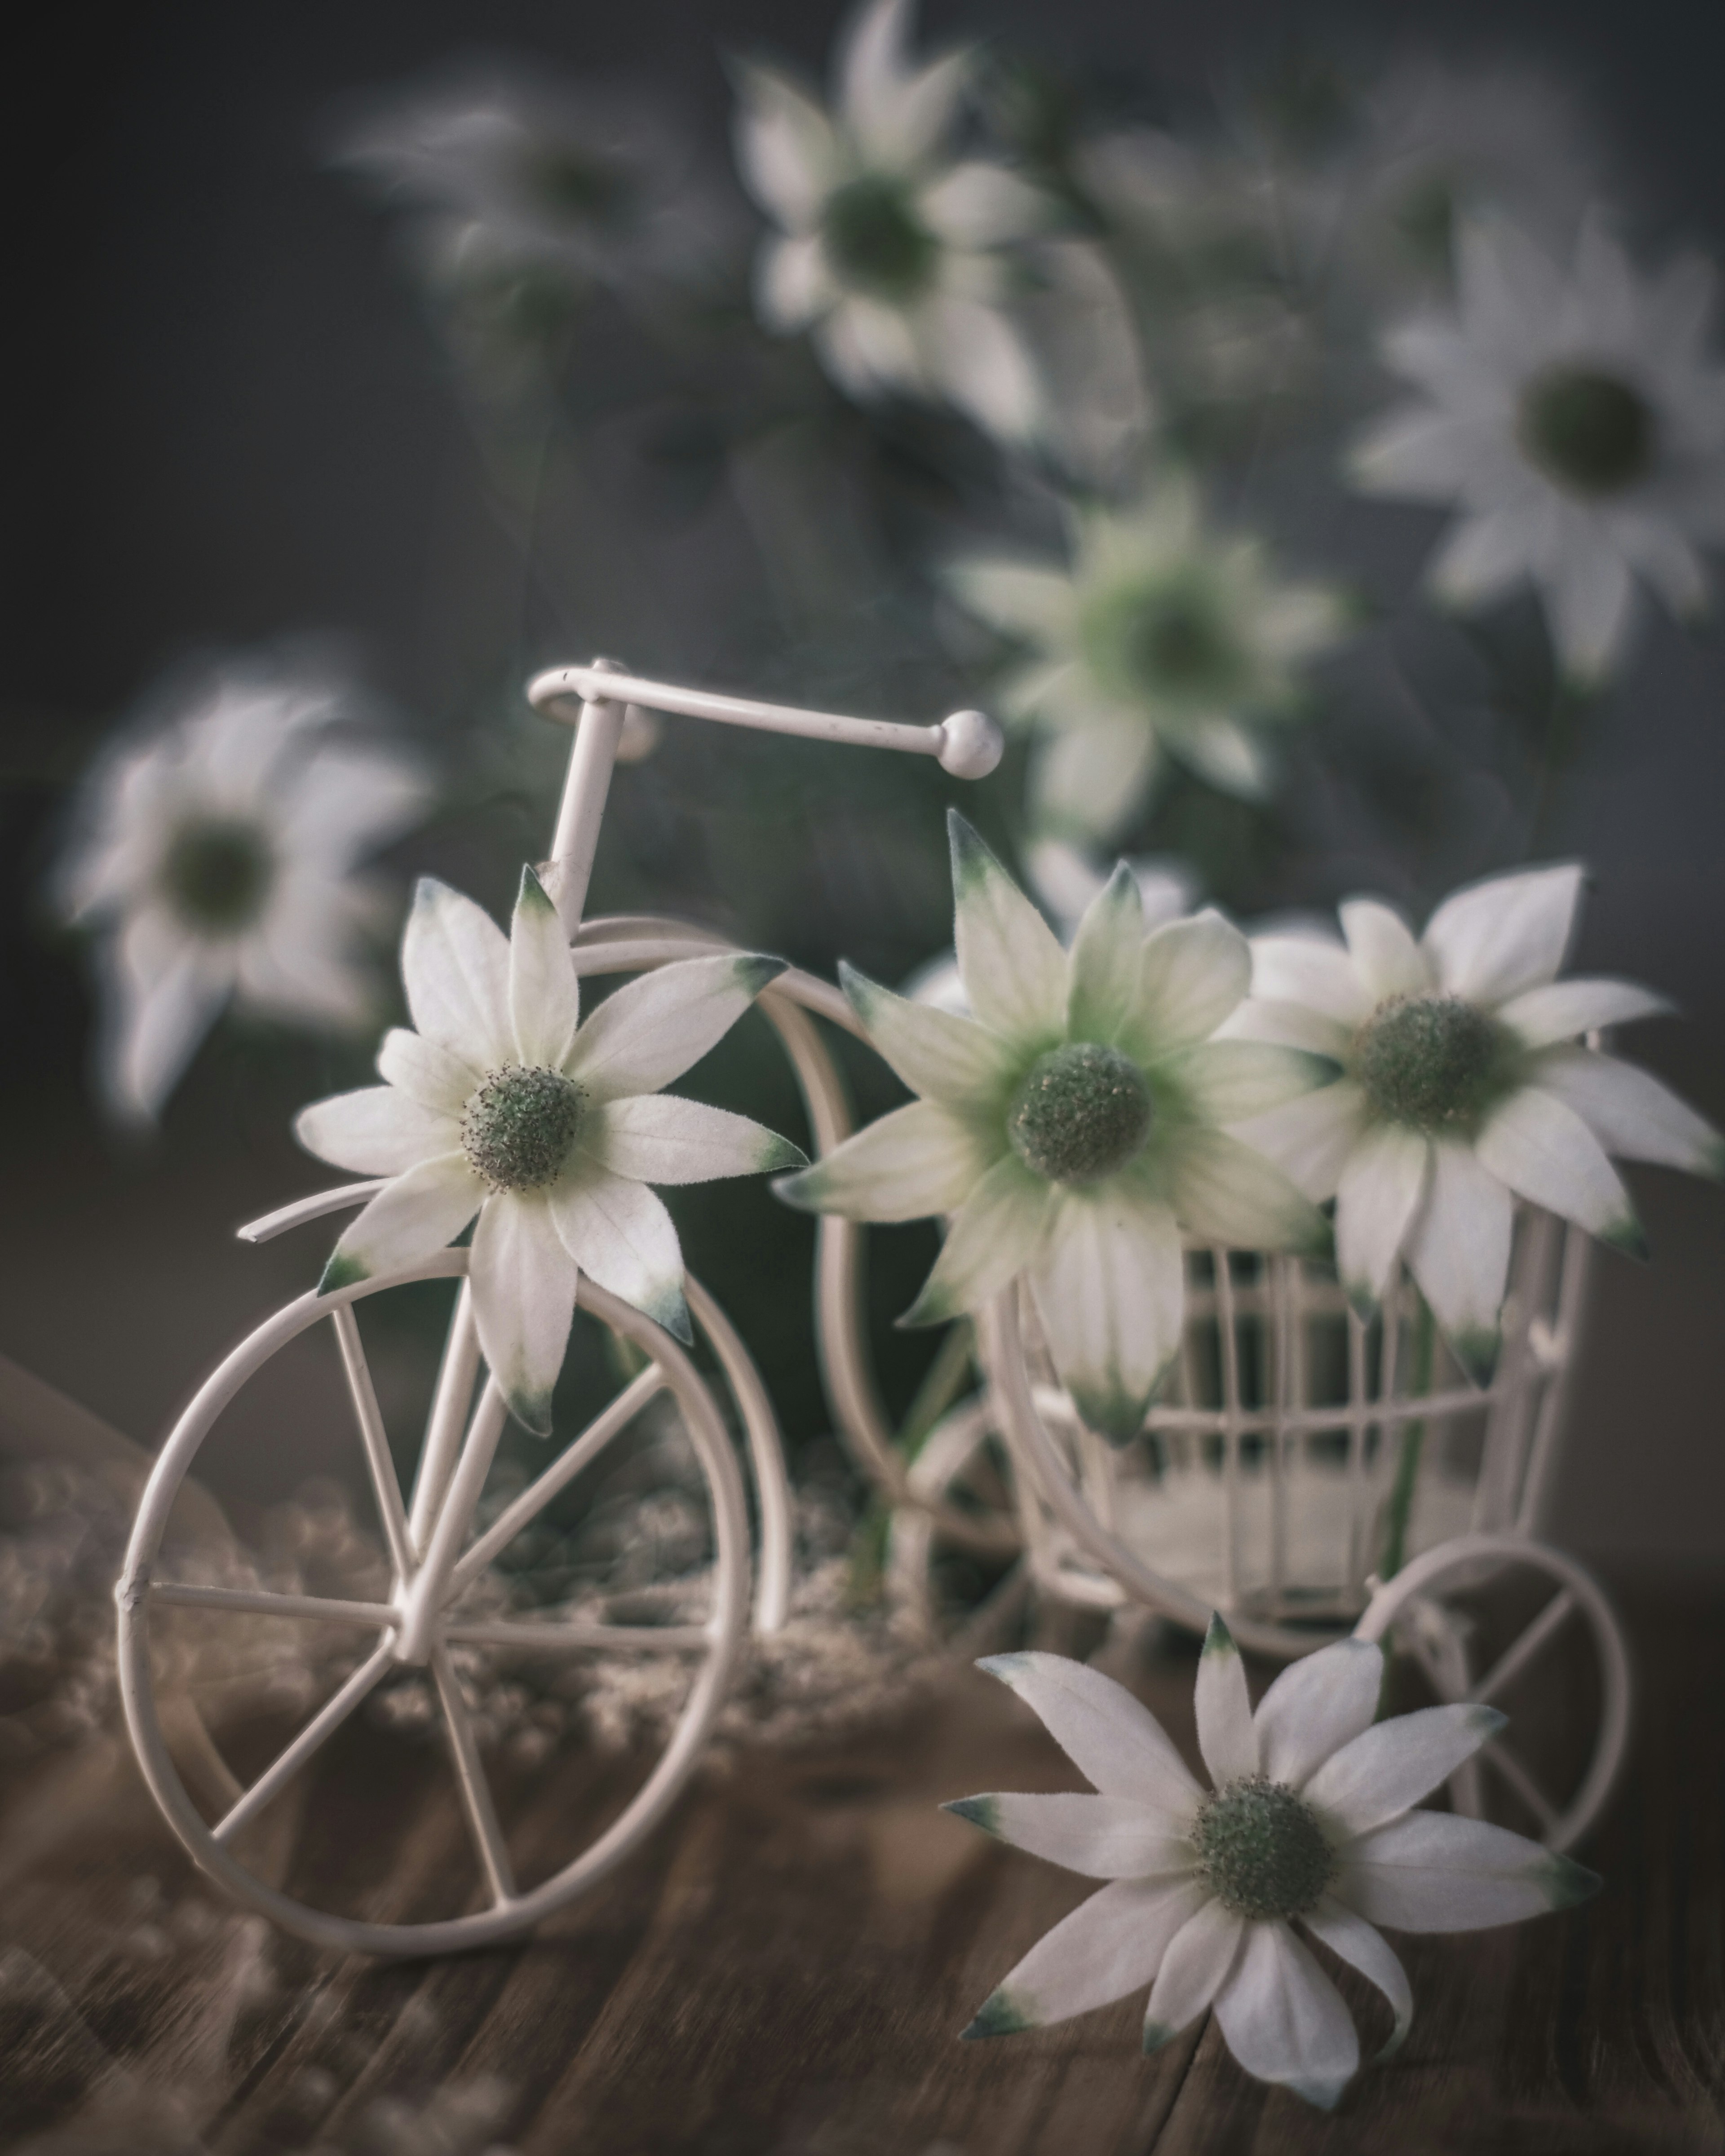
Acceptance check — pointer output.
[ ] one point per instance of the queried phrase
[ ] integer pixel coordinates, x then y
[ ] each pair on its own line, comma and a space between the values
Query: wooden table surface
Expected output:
785, 1968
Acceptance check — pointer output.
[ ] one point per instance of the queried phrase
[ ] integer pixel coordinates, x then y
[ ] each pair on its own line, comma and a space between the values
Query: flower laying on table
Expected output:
1465, 1087
1574, 420
218, 856
505, 1104
1309, 1821
1074, 1126
893, 253
1163, 639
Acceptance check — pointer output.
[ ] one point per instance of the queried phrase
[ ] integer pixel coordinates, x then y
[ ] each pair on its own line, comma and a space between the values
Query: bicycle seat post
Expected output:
597, 731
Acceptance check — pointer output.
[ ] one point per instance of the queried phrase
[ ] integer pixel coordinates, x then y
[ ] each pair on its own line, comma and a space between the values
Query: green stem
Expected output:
1407, 1467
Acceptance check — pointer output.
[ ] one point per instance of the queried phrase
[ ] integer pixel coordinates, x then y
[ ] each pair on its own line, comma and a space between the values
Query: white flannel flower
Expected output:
1309, 1822
893, 253
217, 857
1575, 422
1465, 1086
505, 1104
1074, 1127
1162, 638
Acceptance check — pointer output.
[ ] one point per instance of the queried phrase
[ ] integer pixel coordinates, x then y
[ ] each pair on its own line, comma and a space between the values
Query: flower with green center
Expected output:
1465, 1085
1163, 639
1576, 421
217, 855
505, 1104
1309, 1822
1074, 1124
893, 253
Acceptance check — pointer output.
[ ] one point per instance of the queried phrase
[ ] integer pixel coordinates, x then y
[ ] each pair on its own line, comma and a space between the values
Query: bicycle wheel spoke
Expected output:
316, 1733
1516, 1658
1522, 1782
262, 1603
552, 1639
384, 1486
470, 1780
533, 1500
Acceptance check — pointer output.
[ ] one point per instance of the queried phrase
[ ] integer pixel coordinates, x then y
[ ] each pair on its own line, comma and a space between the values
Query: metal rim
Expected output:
511, 1912
1578, 1595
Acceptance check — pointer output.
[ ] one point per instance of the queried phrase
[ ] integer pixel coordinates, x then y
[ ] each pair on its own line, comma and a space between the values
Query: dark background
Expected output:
224, 421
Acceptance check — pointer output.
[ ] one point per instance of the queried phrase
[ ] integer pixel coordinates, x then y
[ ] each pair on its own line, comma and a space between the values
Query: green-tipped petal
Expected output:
1377, 1200
410, 1219
999, 2015
1110, 1288
1108, 1945
1363, 1948
1436, 1871
620, 1234
651, 1029
341, 1269
1566, 1883
661, 1137
523, 1301
1226, 1082
1099, 1837
544, 998
1628, 1110
1283, 2019
1106, 952
1226, 1195
1192, 975
939, 1055
1547, 1154
454, 964
1393, 1764
1014, 969
981, 1811
916, 1164
1226, 1736
1458, 1253
996, 1233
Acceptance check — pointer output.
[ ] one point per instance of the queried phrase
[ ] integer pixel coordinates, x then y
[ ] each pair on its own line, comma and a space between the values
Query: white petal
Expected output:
978, 204
1546, 1154
377, 1130
1199, 1959
426, 1073
620, 1234
1191, 976
1303, 969
1285, 2021
455, 965
1484, 555
1562, 1010
1110, 1288
1013, 967
1222, 750
1414, 453
1459, 1254
996, 1233
544, 1000
1225, 1734
1092, 778
1101, 1837
1379, 1191
651, 1029
1288, 1025
1316, 1706
939, 1055
1434, 1872
910, 1165
1629, 1111
978, 356
658, 1138
1113, 1740
785, 149
1226, 1193
872, 72
1310, 1139
1109, 1945
168, 990
1104, 965
1393, 1764
1228, 1081
1021, 599
1366, 1950
344, 803
523, 1301
1591, 598
1385, 956
418, 1212
793, 284
1495, 940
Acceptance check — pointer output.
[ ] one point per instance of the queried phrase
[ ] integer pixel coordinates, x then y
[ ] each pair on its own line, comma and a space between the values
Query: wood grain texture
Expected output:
784, 1970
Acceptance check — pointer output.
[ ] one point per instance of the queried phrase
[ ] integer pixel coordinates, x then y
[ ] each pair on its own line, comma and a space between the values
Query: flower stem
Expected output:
1407, 1467
942, 1382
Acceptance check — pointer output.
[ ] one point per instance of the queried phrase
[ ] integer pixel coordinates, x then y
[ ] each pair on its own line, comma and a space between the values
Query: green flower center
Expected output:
1433, 1062
1082, 1113
1590, 432
518, 1127
875, 239
1261, 1850
217, 874
1168, 642
569, 184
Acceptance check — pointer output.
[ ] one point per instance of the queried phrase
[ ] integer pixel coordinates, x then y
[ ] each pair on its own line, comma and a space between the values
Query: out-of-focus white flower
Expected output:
508, 174
505, 1104
1074, 1127
1163, 637
1465, 1087
1309, 1821
894, 252
216, 858
1575, 422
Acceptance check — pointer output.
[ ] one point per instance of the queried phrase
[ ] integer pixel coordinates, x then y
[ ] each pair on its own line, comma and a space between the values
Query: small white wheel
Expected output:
383, 1631
1523, 1627
963, 1598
